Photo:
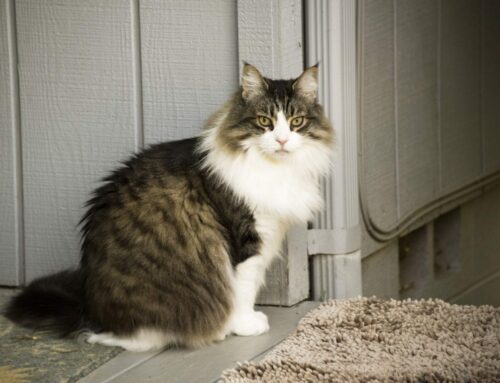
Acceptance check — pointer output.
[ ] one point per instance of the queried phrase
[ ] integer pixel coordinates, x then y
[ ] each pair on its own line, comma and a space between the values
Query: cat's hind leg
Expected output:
141, 340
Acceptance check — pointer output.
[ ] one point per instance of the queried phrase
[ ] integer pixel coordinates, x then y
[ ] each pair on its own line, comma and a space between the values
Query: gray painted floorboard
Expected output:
202, 365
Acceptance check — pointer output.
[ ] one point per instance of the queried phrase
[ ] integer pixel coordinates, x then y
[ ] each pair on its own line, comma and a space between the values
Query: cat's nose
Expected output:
282, 141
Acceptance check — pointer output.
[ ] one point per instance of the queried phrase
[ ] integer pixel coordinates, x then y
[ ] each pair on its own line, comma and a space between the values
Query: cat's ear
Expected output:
307, 83
252, 82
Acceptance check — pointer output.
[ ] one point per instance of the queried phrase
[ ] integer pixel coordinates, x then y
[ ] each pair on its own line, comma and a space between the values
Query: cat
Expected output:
175, 243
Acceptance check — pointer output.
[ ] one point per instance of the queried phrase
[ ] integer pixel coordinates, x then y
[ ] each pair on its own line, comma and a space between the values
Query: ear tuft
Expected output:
307, 83
252, 82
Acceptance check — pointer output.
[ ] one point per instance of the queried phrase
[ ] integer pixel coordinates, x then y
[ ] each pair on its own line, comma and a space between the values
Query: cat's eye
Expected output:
297, 121
264, 121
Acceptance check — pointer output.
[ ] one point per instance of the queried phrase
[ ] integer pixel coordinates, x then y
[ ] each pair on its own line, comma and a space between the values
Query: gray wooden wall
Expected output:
430, 97
430, 136
83, 84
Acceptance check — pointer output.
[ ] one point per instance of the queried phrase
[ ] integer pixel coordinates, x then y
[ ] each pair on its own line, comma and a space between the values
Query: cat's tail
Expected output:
54, 303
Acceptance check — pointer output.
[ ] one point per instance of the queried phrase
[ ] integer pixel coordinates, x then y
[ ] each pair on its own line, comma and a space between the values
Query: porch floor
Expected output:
182, 365
202, 365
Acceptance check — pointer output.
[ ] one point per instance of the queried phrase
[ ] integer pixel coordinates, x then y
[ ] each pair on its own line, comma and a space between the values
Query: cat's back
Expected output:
171, 158
145, 193
148, 169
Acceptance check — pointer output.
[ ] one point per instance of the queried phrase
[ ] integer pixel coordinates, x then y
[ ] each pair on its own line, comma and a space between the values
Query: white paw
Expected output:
250, 323
220, 337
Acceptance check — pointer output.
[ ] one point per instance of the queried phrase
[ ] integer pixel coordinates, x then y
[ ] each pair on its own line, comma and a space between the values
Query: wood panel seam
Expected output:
137, 72
481, 91
438, 90
396, 125
16, 127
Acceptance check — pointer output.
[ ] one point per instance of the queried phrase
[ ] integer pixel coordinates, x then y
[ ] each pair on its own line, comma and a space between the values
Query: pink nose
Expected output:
282, 141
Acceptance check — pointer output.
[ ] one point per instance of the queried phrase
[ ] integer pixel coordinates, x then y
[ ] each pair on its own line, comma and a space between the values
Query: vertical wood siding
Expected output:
415, 83
429, 93
460, 92
75, 75
490, 84
189, 62
11, 252
377, 117
97, 80
100, 79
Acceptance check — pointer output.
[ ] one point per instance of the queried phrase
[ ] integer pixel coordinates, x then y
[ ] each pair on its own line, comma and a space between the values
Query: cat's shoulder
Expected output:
177, 149
171, 155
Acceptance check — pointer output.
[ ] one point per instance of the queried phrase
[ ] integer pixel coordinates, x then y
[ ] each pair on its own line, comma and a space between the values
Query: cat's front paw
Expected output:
250, 323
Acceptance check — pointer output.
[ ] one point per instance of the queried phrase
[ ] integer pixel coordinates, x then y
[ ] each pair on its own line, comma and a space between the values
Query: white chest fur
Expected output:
287, 188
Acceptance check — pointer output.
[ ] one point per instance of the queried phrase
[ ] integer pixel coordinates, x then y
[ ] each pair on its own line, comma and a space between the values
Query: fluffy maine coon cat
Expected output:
176, 242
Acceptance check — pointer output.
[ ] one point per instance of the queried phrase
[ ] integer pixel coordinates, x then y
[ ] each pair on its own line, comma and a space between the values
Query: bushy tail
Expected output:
52, 303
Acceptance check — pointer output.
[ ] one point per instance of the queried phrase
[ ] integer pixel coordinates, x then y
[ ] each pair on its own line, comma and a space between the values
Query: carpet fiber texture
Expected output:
375, 340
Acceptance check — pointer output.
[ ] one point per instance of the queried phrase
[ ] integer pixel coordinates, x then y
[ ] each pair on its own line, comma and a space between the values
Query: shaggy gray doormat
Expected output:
375, 340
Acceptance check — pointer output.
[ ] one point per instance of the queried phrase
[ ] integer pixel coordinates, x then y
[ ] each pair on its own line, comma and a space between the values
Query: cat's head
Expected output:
277, 118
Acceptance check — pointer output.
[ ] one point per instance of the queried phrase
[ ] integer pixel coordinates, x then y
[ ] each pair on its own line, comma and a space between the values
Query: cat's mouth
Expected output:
277, 155
281, 153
